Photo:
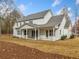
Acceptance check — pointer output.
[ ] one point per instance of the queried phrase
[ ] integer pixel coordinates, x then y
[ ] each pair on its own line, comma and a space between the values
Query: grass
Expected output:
69, 47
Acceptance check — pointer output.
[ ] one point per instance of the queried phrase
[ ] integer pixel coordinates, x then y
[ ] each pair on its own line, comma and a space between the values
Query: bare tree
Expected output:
9, 12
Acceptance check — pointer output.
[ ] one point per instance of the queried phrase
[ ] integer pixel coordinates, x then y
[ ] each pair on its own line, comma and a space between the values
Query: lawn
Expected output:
68, 47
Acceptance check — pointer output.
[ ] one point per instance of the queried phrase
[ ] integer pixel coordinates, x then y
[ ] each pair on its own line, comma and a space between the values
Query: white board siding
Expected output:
62, 24
64, 31
15, 25
22, 23
47, 17
44, 20
18, 24
26, 21
15, 33
60, 31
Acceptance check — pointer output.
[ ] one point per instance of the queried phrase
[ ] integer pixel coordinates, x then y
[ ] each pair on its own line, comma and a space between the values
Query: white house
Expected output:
43, 26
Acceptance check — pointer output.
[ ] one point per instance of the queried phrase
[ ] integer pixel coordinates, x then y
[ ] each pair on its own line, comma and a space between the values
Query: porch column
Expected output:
38, 33
21, 33
26, 34
35, 33
48, 33
53, 32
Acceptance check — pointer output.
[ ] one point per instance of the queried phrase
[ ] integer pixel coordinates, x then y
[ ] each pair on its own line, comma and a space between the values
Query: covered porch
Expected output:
39, 33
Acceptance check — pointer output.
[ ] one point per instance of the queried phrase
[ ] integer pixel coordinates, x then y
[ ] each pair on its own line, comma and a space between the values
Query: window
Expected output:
60, 31
24, 32
46, 33
18, 32
51, 32
33, 33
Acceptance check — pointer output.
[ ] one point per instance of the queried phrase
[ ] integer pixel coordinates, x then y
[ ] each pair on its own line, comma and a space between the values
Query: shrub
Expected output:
72, 36
63, 37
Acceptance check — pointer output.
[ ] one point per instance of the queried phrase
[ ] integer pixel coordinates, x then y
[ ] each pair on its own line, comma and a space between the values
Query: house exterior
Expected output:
43, 26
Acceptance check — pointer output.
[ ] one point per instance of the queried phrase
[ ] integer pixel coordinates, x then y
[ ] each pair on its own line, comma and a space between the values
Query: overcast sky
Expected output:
32, 6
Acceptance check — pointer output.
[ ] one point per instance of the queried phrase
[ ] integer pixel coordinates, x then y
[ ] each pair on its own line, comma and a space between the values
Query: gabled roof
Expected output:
34, 16
29, 24
55, 20
68, 22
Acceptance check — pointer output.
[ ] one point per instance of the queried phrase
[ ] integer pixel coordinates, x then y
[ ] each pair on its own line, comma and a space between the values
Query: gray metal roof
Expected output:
55, 20
68, 22
35, 16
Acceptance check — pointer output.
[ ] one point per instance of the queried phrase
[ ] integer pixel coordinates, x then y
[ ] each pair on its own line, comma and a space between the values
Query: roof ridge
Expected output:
37, 15
39, 12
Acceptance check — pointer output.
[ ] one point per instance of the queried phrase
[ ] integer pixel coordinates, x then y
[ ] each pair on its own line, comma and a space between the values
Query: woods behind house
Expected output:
6, 23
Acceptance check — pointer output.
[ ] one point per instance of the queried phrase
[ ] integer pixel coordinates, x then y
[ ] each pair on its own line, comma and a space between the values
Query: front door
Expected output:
24, 31
46, 33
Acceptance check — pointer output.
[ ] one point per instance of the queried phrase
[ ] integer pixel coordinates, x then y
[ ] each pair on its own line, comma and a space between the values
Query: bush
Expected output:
72, 36
63, 37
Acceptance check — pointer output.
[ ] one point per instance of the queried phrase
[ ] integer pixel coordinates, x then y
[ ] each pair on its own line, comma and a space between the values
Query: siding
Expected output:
60, 31
43, 21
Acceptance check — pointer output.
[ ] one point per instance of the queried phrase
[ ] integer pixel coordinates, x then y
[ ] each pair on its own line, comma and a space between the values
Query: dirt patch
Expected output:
14, 51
